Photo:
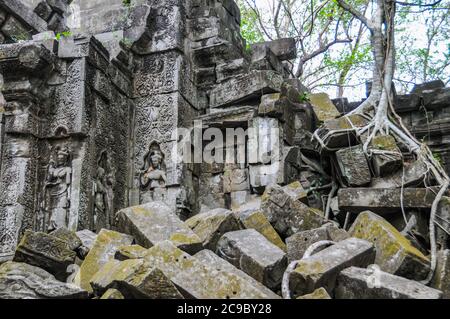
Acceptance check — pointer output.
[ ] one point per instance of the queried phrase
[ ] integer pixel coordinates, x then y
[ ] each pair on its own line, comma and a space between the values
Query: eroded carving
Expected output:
104, 193
153, 175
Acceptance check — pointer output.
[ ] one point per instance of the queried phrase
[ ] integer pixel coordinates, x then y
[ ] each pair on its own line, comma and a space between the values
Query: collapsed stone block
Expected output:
323, 107
385, 164
255, 219
196, 280
382, 200
372, 283
24, 281
87, 238
47, 252
134, 278
287, 213
319, 293
298, 243
251, 252
394, 253
210, 226
70, 237
341, 132
112, 293
246, 87
284, 49
130, 252
154, 222
353, 166
322, 268
209, 258
104, 248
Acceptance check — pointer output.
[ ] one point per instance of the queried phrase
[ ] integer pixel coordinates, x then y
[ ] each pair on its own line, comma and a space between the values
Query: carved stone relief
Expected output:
152, 177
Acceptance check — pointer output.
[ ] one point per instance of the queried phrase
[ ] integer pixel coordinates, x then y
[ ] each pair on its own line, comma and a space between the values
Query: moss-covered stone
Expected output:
134, 278
112, 294
154, 222
319, 293
394, 253
130, 252
104, 248
70, 237
286, 213
47, 252
210, 226
321, 269
323, 107
258, 221
197, 280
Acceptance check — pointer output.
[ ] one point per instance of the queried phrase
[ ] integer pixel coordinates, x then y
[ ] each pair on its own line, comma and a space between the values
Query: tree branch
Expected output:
358, 15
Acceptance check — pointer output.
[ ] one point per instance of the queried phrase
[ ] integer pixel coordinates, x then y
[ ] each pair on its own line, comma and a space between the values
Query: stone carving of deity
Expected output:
57, 188
153, 176
103, 193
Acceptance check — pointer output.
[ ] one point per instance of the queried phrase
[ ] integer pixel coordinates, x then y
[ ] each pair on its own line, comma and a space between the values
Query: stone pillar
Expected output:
165, 99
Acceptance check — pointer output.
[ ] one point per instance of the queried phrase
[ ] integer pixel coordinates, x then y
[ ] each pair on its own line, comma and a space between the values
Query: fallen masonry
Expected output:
94, 202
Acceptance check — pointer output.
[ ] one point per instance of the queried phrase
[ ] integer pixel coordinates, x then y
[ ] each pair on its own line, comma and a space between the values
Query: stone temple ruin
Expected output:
97, 100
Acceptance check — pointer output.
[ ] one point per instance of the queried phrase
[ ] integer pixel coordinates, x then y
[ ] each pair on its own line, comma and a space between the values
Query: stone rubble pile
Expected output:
93, 204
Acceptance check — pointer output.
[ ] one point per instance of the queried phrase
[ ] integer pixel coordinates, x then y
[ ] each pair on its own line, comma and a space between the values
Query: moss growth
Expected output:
384, 142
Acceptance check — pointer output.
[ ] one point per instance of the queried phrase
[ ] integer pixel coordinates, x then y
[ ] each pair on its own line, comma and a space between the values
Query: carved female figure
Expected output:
103, 193
57, 188
153, 176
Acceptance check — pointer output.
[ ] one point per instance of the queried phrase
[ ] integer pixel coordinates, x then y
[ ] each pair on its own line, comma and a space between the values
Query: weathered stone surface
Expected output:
209, 258
130, 252
23, 281
255, 219
70, 237
322, 268
112, 293
347, 125
383, 201
210, 226
385, 164
284, 49
323, 107
103, 250
154, 222
246, 87
48, 252
441, 279
87, 238
372, 283
353, 166
134, 278
394, 253
197, 280
298, 243
251, 252
287, 214
319, 293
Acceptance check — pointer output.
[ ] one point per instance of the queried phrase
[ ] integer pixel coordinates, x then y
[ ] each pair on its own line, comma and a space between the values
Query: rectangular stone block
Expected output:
287, 213
298, 243
210, 226
372, 283
394, 253
322, 268
353, 166
154, 222
103, 250
246, 87
382, 200
47, 252
255, 219
284, 49
195, 279
323, 107
251, 252
135, 279
207, 257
